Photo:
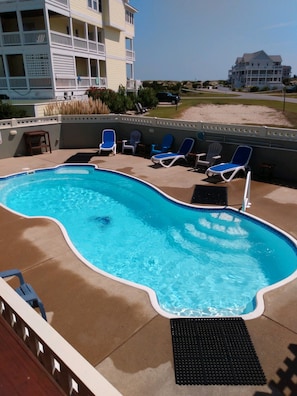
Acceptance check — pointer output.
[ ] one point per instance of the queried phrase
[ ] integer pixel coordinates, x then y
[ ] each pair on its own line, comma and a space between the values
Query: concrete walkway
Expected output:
114, 325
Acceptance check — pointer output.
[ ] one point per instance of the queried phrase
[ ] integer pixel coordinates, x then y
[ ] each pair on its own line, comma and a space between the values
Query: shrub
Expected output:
147, 97
117, 102
8, 111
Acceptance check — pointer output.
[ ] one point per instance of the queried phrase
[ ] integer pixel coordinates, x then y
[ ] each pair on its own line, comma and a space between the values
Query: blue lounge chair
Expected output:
26, 291
168, 159
228, 170
164, 147
131, 144
109, 142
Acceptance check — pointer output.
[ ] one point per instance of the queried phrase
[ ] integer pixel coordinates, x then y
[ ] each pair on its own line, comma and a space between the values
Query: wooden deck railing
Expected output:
68, 368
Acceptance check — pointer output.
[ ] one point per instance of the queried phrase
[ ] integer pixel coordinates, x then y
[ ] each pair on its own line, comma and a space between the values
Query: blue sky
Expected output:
201, 39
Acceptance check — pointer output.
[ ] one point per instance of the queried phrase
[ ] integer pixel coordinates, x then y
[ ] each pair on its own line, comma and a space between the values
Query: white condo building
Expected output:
258, 69
55, 49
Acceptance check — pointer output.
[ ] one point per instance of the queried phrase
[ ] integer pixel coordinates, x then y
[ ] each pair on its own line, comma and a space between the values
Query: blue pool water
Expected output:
199, 262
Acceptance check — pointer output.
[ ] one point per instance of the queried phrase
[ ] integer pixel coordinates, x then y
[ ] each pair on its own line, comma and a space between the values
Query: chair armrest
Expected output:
200, 155
124, 141
13, 272
216, 157
156, 146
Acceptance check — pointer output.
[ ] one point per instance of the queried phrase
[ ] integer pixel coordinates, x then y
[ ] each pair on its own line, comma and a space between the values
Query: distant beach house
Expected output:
56, 49
258, 70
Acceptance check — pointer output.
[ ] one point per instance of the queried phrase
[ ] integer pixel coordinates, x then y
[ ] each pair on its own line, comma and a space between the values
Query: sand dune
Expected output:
236, 114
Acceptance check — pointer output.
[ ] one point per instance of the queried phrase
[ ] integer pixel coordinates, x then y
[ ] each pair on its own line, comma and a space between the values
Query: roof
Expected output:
259, 55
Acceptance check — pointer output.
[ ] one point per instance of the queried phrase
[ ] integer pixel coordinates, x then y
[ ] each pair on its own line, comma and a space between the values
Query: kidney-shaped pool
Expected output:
192, 261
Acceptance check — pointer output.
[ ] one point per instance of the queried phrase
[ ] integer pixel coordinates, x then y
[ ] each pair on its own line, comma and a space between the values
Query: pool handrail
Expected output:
247, 191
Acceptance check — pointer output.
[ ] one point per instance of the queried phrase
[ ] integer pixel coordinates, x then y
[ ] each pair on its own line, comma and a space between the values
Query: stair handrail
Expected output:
247, 190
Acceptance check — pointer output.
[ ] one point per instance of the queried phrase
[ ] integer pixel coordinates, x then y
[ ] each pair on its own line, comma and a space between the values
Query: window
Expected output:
2, 71
16, 65
95, 5
129, 17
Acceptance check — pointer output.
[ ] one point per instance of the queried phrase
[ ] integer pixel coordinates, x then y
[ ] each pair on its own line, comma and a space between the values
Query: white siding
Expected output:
63, 65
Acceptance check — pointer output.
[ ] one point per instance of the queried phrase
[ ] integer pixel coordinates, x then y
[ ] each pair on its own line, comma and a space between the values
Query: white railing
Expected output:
131, 84
65, 82
85, 82
93, 46
80, 43
247, 191
18, 82
39, 82
3, 82
11, 38
35, 37
67, 367
96, 47
61, 2
101, 48
76, 42
130, 55
61, 39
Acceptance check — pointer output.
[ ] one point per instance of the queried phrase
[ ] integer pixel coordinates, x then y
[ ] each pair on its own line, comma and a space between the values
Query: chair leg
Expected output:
25, 291
42, 310
29, 295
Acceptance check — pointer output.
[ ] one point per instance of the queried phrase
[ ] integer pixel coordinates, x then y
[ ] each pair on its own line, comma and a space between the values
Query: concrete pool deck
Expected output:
114, 326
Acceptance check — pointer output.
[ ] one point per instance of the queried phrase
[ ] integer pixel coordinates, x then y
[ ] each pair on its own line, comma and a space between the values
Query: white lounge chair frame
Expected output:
168, 159
107, 145
228, 170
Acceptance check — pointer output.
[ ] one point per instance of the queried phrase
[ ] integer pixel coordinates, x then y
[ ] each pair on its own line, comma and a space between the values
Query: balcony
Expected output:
64, 40
24, 83
64, 82
131, 85
3, 83
9, 39
130, 55
29, 38
35, 37
60, 2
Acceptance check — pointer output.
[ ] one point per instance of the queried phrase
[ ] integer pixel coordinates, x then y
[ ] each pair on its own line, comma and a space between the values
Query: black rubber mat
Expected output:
80, 158
211, 195
214, 351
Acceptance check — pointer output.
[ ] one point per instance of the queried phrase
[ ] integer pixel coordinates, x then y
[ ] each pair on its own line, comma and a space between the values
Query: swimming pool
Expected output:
193, 261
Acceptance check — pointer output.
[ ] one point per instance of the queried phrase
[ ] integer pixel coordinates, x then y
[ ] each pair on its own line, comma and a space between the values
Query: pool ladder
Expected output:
247, 190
